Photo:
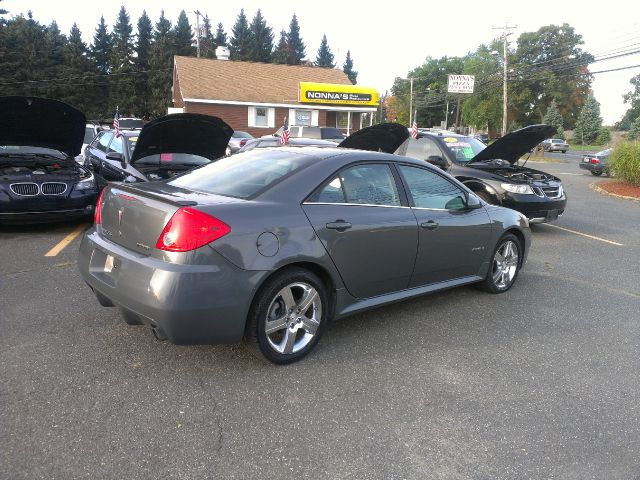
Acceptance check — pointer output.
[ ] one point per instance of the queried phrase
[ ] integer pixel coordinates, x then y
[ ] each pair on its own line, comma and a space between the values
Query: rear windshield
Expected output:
237, 134
243, 175
334, 133
130, 123
463, 149
557, 140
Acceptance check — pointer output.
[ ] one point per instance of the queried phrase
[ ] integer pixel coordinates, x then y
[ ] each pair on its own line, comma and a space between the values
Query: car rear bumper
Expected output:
190, 304
591, 166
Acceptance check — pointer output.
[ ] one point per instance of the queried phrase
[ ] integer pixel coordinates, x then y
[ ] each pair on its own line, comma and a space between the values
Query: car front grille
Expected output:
554, 191
53, 188
25, 189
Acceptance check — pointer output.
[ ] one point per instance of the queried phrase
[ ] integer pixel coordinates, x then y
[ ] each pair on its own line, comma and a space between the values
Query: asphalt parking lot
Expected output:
541, 382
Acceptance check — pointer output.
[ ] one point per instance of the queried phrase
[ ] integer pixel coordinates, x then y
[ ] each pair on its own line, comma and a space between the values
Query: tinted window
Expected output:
370, 184
331, 192
89, 134
238, 134
430, 190
131, 123
334, 133
243, 175
116, 145
312, 132
104, 140
422, 148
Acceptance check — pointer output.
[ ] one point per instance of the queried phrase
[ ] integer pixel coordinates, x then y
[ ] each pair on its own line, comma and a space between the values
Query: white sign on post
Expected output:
461, 83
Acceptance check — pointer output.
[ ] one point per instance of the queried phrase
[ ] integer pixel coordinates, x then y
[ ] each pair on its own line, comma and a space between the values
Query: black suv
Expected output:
492, 172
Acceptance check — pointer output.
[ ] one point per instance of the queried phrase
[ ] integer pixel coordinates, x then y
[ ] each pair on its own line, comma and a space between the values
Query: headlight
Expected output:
515, 188
87, 184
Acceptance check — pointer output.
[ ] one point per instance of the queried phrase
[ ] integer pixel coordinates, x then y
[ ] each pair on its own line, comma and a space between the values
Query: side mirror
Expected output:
473, 202
118, 157
438, 161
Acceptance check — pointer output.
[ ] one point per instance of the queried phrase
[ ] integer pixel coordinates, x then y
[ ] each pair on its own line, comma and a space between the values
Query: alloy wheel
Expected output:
293, 318
505, 264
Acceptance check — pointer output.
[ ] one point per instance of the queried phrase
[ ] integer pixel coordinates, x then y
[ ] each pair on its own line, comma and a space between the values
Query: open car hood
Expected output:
383, 137
189, 133
41, 122
515, 144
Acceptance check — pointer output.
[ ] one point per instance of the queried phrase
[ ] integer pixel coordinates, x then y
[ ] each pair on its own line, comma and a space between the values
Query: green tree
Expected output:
347, 67
161, 66
296, 48
554, 117
550, 63
589, 122
634, 131
324, 58
207, 41
79, 69
143, 52
633, 99
260, 39
240, 42
122, 80
54, 65
100, 49
183, 36
281, 52
221, 36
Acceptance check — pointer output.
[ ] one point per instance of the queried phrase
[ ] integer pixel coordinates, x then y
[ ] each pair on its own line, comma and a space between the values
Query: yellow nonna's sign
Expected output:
335, 94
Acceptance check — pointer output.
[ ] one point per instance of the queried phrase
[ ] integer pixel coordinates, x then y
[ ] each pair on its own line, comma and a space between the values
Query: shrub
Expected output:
634, 131
625, 162
604, 136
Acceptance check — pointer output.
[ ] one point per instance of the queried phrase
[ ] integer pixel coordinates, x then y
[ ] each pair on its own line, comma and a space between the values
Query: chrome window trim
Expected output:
354, 204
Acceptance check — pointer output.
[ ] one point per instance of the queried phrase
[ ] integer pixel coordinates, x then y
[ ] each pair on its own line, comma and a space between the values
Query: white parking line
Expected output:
62, 244
592, 237
567, 173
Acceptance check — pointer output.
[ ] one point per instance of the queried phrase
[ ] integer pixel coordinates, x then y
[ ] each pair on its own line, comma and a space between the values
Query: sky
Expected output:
388, 39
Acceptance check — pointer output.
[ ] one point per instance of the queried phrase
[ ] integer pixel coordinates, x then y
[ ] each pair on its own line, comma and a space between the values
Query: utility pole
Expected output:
505, 34
197, 12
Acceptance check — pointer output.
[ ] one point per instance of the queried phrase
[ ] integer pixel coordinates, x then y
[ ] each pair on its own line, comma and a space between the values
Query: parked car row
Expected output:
270, 244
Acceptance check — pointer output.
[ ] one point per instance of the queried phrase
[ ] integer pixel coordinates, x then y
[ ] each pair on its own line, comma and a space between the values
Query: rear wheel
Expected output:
596, 173
288, 316
505, 265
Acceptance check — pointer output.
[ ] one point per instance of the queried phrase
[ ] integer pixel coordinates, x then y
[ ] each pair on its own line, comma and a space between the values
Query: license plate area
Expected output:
552, 215
104, 267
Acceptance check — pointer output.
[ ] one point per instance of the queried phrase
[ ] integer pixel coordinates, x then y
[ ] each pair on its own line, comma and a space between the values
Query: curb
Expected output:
602, 191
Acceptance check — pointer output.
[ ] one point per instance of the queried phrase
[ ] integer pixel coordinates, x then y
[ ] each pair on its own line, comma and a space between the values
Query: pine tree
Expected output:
184, 36
54, 44
589, 122
143, 53
100, 50
78, 69
221, 36
634, 131
161, 66
281, 52
553, 117
207, 42
260, 39
296, 50
347, 68
325, 57
240, 38
122, 82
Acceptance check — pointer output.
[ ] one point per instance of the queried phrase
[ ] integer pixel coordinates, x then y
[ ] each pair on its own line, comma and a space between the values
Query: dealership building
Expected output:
257, 97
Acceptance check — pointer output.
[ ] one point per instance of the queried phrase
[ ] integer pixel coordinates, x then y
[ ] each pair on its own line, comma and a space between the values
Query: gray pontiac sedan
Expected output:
272, 244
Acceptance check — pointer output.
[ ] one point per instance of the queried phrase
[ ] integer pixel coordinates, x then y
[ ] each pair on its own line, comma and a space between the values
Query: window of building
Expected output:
342, 119
303, 117
261, 117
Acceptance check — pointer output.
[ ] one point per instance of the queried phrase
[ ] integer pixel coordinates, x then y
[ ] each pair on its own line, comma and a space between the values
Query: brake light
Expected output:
189, 229
243, 141
595, 160
97, 213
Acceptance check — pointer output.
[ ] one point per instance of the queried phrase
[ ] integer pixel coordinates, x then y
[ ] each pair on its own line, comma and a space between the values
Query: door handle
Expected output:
339, 225
430, 225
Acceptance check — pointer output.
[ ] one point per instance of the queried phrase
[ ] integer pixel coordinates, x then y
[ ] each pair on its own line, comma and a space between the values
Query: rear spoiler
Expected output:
153, 195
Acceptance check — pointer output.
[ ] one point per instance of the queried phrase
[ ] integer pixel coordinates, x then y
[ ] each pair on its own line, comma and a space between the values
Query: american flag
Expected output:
414, 125
284, 138
116, 123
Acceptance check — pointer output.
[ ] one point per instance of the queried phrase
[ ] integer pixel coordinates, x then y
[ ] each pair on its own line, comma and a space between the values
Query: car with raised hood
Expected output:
494, 172
165, 147
270, 245
40, 181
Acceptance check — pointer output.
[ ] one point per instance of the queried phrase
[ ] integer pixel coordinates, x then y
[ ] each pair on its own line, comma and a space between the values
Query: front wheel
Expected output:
288, 316
505, 265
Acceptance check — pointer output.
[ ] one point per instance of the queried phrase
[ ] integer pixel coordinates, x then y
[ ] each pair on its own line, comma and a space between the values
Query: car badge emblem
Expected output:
120, 212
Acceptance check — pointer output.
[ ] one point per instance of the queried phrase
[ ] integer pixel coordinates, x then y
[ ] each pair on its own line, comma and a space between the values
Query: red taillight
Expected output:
189, 229
595, 160
97, 213
243, 141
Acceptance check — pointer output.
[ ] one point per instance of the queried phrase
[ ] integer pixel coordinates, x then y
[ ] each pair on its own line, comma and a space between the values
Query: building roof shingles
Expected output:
228, 80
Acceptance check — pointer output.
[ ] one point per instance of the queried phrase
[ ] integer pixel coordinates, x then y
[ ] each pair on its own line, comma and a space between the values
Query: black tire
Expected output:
269, 302
490, 284
596, 173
